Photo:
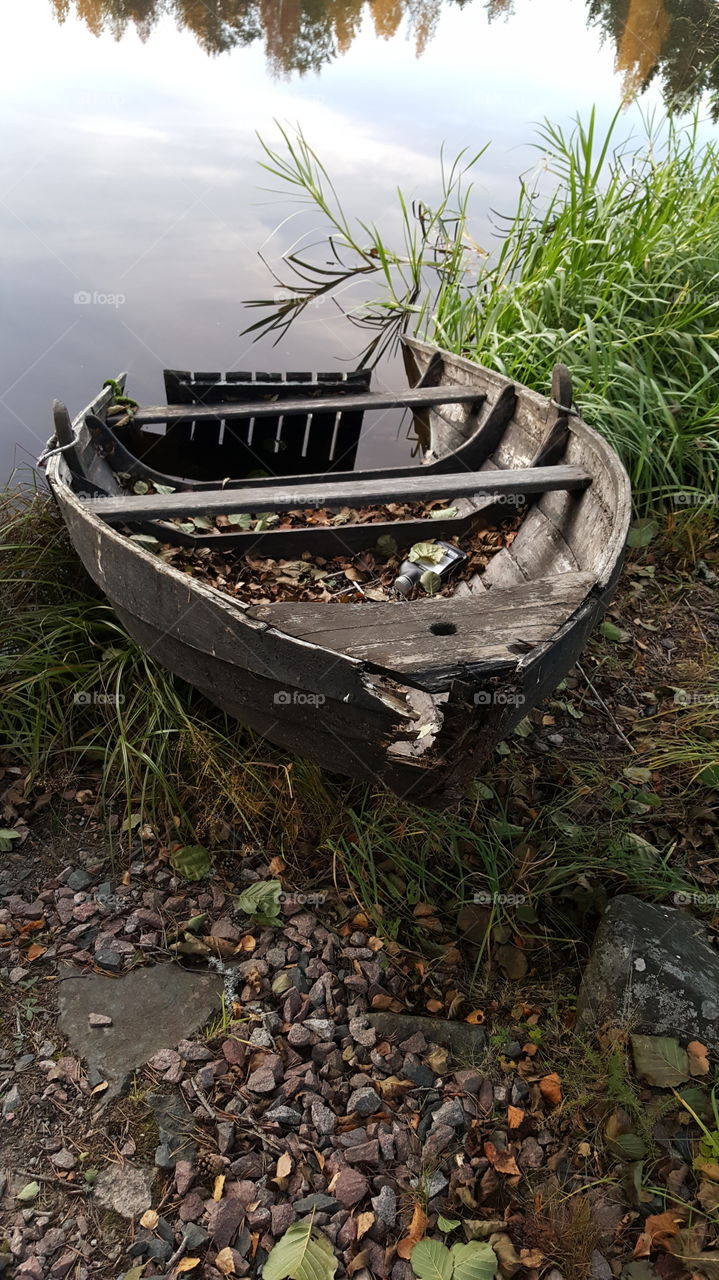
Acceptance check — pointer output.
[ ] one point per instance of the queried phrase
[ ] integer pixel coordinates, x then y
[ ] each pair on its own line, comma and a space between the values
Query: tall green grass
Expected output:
609, 262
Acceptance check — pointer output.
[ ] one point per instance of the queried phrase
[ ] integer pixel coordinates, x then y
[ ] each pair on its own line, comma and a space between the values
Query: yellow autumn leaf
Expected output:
218, 1187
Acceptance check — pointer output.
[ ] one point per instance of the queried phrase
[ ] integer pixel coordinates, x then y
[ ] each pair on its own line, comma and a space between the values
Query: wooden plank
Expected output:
432, 642
174, 413
344, 493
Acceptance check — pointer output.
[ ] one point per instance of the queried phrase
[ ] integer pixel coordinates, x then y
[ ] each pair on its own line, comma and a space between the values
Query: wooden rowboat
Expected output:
414, 695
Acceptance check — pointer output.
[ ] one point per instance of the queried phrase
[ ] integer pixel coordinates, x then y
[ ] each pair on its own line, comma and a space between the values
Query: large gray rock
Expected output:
124, 1188
652, 969
151, 1008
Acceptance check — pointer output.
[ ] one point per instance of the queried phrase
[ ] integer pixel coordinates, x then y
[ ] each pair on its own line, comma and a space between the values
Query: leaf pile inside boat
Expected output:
368, 575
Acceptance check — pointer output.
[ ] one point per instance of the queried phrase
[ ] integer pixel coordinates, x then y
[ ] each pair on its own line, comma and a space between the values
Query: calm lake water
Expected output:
132, 204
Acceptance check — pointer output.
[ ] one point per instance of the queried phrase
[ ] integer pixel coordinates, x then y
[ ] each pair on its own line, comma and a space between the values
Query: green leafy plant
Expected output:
432, 1260
262, 901
192, 861
302, 1253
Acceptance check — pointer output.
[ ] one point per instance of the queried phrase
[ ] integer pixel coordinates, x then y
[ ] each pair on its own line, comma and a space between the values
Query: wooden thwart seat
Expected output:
271, 408
434, 641
517, 481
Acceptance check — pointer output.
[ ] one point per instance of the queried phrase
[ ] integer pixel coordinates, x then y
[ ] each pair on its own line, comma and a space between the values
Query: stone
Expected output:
192, 1207
99, 1020
262, 1081
11, 1101
164, 1059
461, 1037
64, 1159
281, 1217
299, 1035
419, 1074
385, 1206
184, 1176
108, 959
364, 1101
321, 1027
78, 880
654, 969
173, 1002
350, 1187
451, 1113
234, 1052
324, 1120
126, 1188
364, 1153
224, 1221
361, 1033
438, 1140
317, 1201
284, 1115
195, 1237
531, 1155
469, 1080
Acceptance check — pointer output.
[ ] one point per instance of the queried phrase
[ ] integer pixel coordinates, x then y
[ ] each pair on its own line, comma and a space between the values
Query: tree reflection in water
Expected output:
674, 40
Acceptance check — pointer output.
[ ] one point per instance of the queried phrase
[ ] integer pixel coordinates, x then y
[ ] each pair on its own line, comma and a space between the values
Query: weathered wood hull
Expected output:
420, 713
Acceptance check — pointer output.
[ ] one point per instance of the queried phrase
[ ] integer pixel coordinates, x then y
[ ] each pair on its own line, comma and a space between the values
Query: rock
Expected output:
385, 1206
317, 1201
262, 1081
108, 959
164, 1159
125, 1188
435, 1183
364, 1101
321, 1027
195, 1237
531, 1155
419, 1074
184, 1176
299, 1035
652, 968
281, 1217
469, 1080
78, 880
284, 1115
350, 1187
11, 1101
451, 1113
234, 1052
361, 1033
164, 1059
461, 1037
64, 1159
224, 1220
364, 1153
99, 1020
601, 1269
174, 1003
324, 1120
439, 1139
192, 1207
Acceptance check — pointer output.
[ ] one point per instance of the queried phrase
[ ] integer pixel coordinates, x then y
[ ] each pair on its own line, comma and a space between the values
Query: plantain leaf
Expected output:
301, 1254
430, 582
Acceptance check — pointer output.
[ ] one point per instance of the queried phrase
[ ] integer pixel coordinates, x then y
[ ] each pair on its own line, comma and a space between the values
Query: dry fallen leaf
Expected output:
364, 1222
218, 1187
698, 1057
35, 951
150, 1219
476, 1017
284, 1165
188, 1264
417, 1228
550, 1088
225, 1262
515, 1117
660, 1227
503, 1161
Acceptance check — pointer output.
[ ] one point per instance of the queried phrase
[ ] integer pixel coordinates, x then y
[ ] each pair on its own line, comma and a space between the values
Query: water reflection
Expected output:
299, 35
674, 40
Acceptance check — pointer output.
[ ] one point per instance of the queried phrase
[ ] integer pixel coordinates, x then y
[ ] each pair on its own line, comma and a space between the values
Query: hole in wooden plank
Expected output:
443, 629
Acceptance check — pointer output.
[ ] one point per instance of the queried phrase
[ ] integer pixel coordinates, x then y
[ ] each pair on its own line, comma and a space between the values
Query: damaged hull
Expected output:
412, 696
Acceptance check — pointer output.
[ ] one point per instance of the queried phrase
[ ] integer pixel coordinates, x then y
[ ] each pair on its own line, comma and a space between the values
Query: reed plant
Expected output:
609, 262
